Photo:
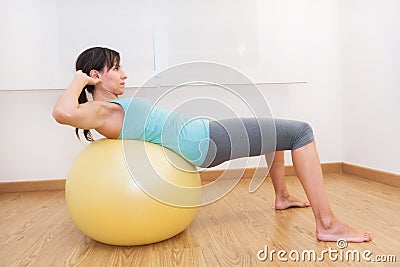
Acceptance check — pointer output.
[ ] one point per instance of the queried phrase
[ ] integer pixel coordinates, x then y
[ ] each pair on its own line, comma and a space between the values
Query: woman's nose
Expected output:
124, 76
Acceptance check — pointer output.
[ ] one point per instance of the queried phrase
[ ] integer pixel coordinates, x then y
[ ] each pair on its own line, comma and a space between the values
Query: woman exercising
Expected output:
98, 71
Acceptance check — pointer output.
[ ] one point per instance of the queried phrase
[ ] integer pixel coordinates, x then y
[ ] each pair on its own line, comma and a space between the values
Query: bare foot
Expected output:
282, 203
338, 230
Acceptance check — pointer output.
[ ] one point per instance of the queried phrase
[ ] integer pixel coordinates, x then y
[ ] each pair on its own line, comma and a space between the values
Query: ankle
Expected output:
326, 222
282, 195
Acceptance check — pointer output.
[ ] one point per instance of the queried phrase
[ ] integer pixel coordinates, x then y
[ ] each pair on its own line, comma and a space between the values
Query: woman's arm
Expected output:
67, 109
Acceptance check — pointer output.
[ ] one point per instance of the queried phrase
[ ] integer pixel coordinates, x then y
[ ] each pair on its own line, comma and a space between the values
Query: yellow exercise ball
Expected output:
108, 204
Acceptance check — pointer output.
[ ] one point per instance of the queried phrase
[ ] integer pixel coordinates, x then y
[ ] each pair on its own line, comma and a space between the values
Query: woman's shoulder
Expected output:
128, 100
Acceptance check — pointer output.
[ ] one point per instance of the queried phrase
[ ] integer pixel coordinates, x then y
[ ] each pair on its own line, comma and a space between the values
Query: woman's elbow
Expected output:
61, 116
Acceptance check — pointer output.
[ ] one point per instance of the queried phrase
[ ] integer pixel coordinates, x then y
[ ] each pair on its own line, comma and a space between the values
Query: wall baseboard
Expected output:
27, 186
211, 175
372, 174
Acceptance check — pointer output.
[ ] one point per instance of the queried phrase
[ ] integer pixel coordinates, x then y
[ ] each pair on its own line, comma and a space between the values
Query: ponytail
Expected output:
83, 99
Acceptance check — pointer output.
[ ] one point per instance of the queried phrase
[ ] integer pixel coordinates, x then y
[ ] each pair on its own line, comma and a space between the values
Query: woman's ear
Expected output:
94, 74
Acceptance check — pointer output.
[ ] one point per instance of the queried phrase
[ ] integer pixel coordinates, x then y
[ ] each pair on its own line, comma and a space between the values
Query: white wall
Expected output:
40, 40
263, 38
34, 147
371, 83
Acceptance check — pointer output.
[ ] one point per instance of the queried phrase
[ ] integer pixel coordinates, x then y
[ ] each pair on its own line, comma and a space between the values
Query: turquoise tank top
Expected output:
185, 136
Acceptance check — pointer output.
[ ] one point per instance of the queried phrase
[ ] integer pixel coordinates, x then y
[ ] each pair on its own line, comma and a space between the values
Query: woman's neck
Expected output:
102, 95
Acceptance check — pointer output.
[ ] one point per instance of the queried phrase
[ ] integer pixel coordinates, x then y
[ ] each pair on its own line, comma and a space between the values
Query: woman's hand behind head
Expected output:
86, 79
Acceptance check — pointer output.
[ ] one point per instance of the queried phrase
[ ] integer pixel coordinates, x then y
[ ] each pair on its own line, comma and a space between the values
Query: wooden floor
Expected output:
36, 230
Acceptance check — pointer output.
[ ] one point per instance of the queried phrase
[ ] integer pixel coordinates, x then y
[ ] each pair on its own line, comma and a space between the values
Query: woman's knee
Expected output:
305, 135
292, 134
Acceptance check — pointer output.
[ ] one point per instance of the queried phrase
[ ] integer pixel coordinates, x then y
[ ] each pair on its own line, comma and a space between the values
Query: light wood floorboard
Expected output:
36, 230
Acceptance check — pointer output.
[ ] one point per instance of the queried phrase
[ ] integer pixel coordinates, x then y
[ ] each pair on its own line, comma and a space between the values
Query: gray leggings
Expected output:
247, 137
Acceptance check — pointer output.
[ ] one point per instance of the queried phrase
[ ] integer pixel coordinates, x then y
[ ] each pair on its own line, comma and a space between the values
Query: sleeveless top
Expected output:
185, 136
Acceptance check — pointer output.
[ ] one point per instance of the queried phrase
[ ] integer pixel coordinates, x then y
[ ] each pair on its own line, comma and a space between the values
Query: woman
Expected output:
99, 73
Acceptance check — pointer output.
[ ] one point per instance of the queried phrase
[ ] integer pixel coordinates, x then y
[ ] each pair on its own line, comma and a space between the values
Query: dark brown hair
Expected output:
95, 58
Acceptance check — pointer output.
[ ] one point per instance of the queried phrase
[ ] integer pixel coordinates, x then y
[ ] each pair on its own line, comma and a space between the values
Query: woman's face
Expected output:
113, 80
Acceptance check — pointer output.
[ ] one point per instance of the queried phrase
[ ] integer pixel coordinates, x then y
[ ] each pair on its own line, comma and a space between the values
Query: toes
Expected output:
367, 236
303, 204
